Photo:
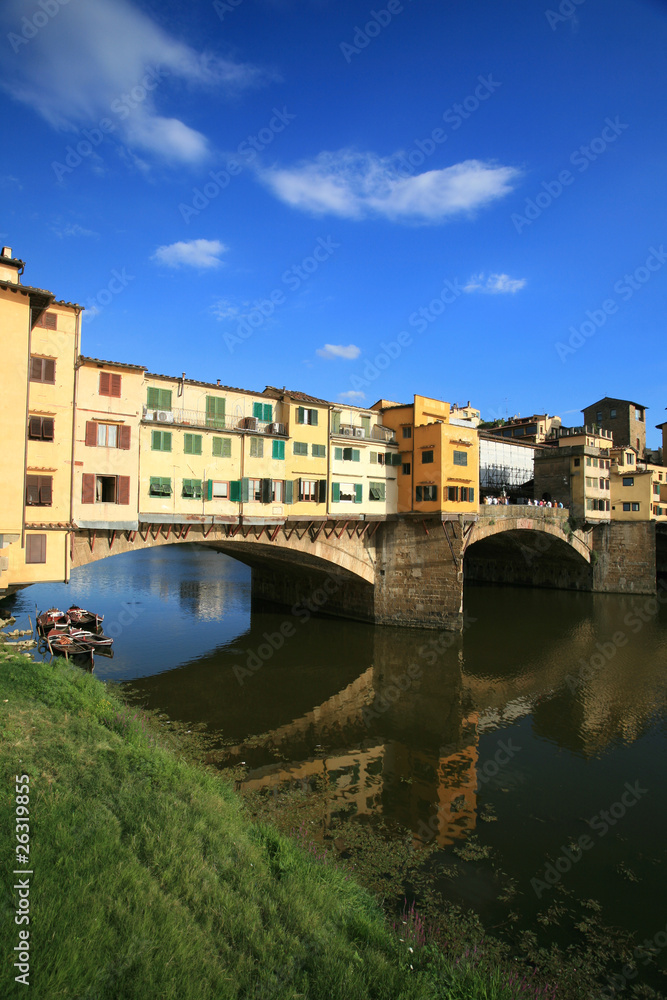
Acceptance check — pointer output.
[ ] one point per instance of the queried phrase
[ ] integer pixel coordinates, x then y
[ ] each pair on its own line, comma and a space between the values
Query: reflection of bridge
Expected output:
407, 569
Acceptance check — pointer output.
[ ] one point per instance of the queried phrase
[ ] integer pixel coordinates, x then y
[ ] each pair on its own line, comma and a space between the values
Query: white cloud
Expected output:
192, 253
352, 396
107, 59
339, 351
355, 185
71, 229
495, 284
223, 310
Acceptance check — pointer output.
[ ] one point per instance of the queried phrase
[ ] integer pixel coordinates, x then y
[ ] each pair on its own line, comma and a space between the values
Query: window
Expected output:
222, 447
460, 458
577, 462
639, 414
39, 491
256, 447
263, 411
612, 413
427, 457
377, 491
304, 416
636, 506
35, 548
628, 480
161, 441
215, 411
277, 490
159, 487
335, 422
630, 458
407, 432
656, 488
424, 493
48, 321
453, 494
467, 494
40, 428
278, 449
254, 489
218, 490
319, 450
301, 448
308, 489
588, 460
349, 454
377, 458
108, 435
43, 370
347, 492
598, 416
192, 489
109, 384
158, 399
192, 444
366, 426
626, 506
105, 489
406, 468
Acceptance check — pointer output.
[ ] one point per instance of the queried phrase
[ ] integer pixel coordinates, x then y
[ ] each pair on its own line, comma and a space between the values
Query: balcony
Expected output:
376, 433
195, 418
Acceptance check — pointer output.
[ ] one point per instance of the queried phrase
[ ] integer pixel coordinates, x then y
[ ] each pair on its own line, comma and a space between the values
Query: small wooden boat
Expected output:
60, 642
79, 616
94, 639
50, 620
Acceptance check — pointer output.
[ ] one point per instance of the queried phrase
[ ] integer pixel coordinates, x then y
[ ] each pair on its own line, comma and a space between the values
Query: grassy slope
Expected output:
150, 883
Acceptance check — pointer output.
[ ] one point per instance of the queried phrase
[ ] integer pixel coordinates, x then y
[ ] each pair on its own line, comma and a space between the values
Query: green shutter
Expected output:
358, 493
209, 489
471, 495
335, 492
257, 410
338, 454
355, 455
235, 490
278, 449
300, 415
268, 412
313, 418
366, 424
374, 458
289, 491
192, 444
215, 411
187, 444
266, 490
335, 422
156, 441
153, 398
245, 490
222, 447
396, 459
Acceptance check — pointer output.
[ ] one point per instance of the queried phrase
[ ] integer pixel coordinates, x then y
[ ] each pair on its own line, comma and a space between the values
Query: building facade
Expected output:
625, 420
577, 473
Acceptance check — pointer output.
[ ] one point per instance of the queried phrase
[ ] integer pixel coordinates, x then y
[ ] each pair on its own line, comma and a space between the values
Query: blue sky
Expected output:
461, 199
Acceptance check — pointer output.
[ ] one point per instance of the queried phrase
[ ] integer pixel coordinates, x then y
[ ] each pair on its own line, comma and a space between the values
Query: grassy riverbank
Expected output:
150, 882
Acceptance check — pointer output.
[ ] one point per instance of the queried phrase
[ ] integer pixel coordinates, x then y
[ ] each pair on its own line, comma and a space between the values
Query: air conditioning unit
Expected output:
347, 431
276, 429
249, 423
163, 416
358, 432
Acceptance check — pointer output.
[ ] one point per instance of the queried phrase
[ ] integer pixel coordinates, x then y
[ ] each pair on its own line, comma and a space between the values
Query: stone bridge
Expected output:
406, 569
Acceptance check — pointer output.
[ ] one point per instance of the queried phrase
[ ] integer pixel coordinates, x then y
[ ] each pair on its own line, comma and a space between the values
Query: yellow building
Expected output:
109, 397
439, 468
638, 489
40, 344
364, 461
306, 463
577, 473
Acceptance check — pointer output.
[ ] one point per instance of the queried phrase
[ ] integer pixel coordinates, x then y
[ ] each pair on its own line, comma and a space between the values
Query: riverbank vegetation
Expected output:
151, 881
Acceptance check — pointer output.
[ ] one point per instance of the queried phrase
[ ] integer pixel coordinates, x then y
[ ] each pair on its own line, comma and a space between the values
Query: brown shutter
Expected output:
35, 369
105, 384
49, 370
35, 428
91, 434
35, 548
88, 490
124, 434
32, 489
50, 320
47, 428
124, 489
46, 490
115, 385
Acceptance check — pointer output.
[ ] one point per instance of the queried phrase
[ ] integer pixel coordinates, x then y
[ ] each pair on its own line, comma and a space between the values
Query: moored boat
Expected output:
94, 639
61, 642
79, 616
52, 619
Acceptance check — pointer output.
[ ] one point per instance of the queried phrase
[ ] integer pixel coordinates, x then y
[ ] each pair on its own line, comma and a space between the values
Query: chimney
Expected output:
7, 252
218, 382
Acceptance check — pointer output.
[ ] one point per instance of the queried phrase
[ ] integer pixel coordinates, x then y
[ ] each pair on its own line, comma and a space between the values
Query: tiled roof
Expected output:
612, 399
117, 364
13, 287
206, 385
300, 397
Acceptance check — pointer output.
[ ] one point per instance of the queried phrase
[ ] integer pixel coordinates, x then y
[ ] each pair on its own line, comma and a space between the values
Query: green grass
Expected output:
150, 882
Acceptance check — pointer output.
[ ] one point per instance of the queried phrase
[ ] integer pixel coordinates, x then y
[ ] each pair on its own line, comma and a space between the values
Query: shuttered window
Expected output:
256, 447
453, 494
159, 486
300, 448
460, 458
160, 440
40, 428
110, 383
192, 488
304, 416
235, 490
427, 457
222, 447
424, 493
217, 490
35, 548
318, 450
350, 454
43, 370
192, 444
335, 422
215, 411
48, 321
263, 411
377, 491
158, 399
335, 492
39, 491
278, 449
124, 489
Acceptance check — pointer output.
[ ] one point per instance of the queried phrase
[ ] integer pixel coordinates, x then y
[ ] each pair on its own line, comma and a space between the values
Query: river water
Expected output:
523, 760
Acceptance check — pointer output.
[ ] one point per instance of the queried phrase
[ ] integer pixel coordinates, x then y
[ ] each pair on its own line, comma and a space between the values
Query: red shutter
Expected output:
35, 369
115, 385
124, 434
88, 490
91, 434
46, 490
105, 384
49, 370
124, 489
47, 429
32, 489
35, 428
35, 548
50, 321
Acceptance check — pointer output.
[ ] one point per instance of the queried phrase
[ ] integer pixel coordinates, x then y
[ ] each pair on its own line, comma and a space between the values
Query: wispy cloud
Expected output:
108, 59
352, 396
355, 185
71, 229
202, 254
339, 351
224, 310
495, 284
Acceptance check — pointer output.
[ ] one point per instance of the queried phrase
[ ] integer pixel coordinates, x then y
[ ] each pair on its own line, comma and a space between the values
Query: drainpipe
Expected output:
77, 340
27, 419
328, 455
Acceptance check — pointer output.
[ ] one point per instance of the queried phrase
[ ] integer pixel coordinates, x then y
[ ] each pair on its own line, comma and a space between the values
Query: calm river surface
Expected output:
490, 758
